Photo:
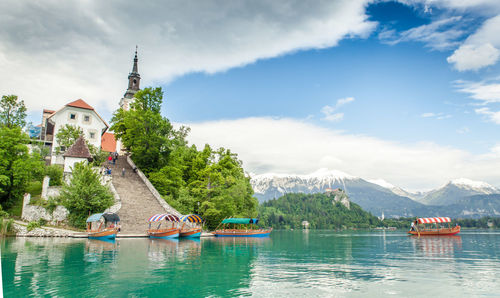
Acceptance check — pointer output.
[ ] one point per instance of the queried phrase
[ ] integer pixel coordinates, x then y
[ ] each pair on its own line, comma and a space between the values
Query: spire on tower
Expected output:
134, 79
134, 69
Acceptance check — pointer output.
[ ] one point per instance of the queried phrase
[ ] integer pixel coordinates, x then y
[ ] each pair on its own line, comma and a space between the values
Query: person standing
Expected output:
123, 172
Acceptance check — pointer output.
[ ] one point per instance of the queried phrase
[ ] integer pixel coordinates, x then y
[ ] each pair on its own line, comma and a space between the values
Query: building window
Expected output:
92, 135
86, 118
72, 116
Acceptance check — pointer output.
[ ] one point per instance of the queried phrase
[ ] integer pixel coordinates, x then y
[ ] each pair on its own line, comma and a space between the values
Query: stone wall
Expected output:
118, 202
49, 191
153, 190
35, 213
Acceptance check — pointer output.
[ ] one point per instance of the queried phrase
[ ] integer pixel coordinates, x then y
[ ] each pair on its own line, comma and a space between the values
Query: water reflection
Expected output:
104, 250
160, 251
313, 263
437, 245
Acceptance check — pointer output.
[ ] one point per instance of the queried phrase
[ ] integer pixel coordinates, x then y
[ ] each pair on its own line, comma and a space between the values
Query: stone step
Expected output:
138, 203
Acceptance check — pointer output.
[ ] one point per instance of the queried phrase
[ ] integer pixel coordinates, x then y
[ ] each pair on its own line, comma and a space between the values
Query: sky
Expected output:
404, 91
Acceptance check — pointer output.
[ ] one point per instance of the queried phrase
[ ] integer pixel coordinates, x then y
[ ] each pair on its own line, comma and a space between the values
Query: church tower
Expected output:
134, 79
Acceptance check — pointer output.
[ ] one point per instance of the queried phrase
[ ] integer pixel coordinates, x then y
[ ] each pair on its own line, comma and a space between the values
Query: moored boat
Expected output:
241, 227
191, 226
433, 226
103, 225
171, 231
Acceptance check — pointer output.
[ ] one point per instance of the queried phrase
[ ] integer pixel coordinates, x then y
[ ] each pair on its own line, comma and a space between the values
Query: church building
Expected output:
80, 114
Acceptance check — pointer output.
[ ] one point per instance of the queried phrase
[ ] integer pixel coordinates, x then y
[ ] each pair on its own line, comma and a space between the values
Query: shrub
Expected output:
52, 203
42, 222
33, 225
85, 195
55, 173
6, 226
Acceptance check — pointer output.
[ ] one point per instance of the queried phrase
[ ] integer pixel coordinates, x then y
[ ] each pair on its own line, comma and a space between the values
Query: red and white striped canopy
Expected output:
433, 220
167, 217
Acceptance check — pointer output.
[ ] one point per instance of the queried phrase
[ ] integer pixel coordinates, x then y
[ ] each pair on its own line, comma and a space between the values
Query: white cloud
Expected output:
485, 91
329, 111
479, 49
292, 146
463, 130
438, 116
492, 116
52, 52
344, 101
441, 34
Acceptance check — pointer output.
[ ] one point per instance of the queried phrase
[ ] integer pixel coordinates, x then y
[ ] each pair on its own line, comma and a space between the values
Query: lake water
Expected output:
289, 263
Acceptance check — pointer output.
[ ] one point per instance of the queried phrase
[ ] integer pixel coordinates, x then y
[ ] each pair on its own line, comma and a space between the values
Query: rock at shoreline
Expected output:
22, 231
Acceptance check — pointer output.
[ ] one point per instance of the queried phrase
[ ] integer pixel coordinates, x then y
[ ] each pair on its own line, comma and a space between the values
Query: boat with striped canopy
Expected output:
170, 231
191, 226
103, 225
433, 226
241, 227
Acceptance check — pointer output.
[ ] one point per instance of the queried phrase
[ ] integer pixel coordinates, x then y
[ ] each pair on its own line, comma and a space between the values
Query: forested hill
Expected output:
322, 211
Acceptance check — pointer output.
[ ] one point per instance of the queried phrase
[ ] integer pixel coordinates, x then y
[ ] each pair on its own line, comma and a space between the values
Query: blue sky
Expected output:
393, 87
405, 91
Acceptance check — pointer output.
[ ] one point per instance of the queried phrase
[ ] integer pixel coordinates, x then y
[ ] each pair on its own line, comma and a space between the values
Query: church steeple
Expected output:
134, 79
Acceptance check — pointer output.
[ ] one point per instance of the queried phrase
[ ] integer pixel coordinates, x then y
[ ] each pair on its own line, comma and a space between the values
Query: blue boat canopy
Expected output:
94, 217
108, 216
244, 221
191, 218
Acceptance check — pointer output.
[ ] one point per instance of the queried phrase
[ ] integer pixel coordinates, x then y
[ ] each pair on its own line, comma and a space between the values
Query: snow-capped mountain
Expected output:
456, 190
398, 190
369, 196
269, 186
378, 196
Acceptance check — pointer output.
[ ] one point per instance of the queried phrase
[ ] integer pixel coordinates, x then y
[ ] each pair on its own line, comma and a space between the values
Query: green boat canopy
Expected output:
244, 221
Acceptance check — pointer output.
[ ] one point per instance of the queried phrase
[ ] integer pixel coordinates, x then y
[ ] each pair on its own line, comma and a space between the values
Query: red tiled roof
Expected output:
108, 142
48, 111
80, 104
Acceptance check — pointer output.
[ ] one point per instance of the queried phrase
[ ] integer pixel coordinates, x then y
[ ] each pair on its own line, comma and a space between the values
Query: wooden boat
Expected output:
171, 231
432, 226
191, 226
103, 226
241, 227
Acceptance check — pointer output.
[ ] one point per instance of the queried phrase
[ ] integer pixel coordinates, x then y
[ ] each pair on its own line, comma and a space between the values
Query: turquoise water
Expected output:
289, 263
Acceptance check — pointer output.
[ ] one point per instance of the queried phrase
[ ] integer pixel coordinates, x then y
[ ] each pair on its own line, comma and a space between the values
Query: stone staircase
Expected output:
138, 203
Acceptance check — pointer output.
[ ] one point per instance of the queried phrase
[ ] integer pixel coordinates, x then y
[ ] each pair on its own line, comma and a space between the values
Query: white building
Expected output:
79, 114
78, 152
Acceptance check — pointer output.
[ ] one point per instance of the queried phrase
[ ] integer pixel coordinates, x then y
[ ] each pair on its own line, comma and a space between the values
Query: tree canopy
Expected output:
17, 166
209, 182
320, 210
85, 194
12, 111
67, 136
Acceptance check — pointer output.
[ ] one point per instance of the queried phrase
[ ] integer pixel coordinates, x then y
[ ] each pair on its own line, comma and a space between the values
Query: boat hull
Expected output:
105, 234
191, 233
164, 234
242, 233
438, 232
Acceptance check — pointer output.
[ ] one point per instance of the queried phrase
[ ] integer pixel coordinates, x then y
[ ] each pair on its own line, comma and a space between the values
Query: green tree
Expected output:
85, 194
12, 111
17, 166
147, 135
320, 210
209, 182
67, 136
55, 172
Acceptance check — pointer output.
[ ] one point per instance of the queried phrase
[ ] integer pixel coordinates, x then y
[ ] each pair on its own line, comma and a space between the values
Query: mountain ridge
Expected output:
376, 196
